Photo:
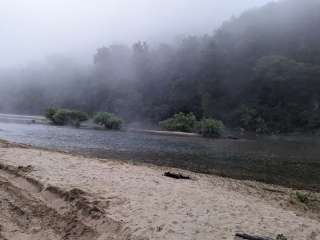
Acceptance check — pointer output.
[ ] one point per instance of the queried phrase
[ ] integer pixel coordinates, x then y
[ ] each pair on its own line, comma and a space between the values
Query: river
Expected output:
286, 161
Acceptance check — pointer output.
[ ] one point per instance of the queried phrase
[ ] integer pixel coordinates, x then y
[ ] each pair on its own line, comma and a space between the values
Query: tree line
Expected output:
259, 71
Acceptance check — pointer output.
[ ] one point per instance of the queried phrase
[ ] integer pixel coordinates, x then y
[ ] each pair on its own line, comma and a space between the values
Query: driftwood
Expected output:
176, 175
250, 237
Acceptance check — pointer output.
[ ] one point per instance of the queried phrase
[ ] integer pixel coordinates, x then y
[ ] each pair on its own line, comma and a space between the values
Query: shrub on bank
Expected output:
108, 120
60, 116
210, 128
50, 112
182, 122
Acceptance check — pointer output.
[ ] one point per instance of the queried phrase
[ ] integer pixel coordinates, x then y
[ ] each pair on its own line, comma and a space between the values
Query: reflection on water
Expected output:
287, 161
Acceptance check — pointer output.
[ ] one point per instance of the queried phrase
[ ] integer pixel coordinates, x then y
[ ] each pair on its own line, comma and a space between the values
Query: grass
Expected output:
308, 200
303, 197
281, 237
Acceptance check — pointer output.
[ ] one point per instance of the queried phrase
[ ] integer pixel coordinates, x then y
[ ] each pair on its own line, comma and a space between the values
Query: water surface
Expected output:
287, 161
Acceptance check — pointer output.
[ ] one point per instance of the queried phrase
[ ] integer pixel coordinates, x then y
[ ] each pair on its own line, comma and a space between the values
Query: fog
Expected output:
34, 29
146, 61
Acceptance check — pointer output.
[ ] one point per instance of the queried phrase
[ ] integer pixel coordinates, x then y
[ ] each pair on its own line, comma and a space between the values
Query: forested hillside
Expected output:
259, 71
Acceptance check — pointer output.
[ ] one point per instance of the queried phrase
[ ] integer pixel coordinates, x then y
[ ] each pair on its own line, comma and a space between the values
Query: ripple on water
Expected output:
293, 162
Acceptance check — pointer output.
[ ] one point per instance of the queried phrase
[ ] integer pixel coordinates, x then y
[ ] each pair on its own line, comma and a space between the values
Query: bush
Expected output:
78, 115
50, 113
210, 127
59, 116
108, 120
182, 122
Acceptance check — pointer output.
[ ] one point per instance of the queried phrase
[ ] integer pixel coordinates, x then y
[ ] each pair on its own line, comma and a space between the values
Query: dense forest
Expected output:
259, 71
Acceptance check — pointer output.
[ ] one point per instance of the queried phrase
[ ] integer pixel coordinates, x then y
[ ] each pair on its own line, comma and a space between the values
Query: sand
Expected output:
51, 195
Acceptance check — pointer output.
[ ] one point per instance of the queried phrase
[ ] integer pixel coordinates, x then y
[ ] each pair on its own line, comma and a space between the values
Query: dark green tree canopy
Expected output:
259, 71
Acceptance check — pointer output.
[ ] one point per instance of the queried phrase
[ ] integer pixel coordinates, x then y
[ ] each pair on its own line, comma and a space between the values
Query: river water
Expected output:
286, 161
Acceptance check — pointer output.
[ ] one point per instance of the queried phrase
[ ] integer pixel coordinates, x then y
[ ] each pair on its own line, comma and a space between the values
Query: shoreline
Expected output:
265, 165
108, 199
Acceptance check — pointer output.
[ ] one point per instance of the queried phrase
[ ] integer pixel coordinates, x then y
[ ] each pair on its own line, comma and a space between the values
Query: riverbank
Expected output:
50, 195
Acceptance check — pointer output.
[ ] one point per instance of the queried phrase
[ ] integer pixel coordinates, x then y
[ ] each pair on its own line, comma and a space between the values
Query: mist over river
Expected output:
287, 161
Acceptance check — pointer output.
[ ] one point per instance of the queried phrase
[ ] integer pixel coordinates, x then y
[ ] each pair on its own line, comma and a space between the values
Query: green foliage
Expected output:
211, 128
60, 116
281, 237
302, 197
258, 60
78, 115
284, 95
108, 120
247, 117
309, 200
182, 122
250, 120
50, 112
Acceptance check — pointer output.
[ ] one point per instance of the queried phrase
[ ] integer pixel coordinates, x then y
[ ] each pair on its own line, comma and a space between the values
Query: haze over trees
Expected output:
259, 71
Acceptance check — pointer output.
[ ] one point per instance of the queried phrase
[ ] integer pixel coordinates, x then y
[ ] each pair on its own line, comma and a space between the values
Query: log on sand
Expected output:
176, 175
250, 237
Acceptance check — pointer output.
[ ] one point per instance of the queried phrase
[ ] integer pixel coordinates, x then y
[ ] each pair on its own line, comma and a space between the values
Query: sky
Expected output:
32, 30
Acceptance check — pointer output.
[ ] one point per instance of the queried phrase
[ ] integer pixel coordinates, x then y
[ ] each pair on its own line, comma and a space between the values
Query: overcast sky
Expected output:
33, 29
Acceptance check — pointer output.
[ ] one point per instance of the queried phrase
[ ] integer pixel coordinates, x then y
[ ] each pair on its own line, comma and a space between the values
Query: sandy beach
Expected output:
51, 195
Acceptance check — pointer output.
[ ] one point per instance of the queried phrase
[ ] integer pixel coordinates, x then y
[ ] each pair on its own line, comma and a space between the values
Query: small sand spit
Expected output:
49, 195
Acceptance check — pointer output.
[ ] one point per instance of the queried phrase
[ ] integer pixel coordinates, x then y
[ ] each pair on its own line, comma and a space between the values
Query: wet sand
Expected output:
51, 195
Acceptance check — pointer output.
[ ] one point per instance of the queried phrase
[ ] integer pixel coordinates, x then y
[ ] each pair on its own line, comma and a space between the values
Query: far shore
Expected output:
30, 119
